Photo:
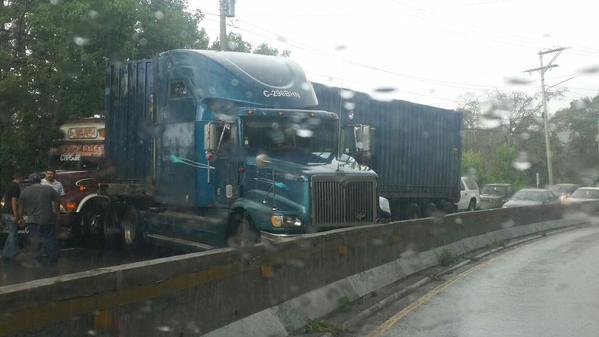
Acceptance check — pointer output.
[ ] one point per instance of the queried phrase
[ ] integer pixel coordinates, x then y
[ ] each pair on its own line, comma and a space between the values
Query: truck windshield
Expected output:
282, 136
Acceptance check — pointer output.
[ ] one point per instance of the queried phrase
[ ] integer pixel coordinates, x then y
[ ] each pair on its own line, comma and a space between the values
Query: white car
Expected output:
469, 195
582, 194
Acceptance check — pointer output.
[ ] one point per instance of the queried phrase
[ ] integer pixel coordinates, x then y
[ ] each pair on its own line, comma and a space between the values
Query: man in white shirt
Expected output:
50, 180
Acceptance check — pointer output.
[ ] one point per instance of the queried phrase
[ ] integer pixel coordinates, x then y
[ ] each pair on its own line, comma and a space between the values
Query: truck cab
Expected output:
208, 146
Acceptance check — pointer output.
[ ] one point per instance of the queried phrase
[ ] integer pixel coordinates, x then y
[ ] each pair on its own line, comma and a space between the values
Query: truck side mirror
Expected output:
211, 137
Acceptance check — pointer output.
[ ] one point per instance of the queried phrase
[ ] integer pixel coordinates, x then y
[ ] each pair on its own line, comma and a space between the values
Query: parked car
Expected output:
494, 195
583, 194
564, 190
532, 197
469, 195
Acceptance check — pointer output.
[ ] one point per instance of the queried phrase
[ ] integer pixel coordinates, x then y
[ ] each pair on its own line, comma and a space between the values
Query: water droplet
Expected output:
350, 115
81, 41
521, 162
93, 14
281, 38
458, 221
590, 70
340, 47
143, 41
349, 105
55, 2
305, 133
234, 82
489, 122
306, 86
163, 328
385, 90
525, 135
432, 91
159, 15
518, 81
346, 94
92, 332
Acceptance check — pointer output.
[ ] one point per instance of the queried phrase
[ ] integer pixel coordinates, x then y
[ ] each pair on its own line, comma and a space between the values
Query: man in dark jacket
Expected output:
40, 203
10, 216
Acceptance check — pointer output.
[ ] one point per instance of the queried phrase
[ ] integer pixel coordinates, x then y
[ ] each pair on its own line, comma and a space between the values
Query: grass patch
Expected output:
322, 326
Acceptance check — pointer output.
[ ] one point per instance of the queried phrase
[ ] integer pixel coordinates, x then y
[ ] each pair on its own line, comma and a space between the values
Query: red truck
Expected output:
77, 158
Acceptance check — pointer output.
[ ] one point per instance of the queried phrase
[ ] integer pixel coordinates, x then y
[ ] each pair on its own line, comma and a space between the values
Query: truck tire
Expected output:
131, 228
430, 209
111, 231
472, 205
242, 232
413, 211
90, 227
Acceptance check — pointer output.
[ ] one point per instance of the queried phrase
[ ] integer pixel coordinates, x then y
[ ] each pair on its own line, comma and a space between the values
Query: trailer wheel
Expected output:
413, 211
242, 232
431, 209
131, 229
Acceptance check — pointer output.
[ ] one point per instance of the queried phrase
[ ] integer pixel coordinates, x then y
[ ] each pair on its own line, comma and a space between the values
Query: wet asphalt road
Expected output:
549, 287
75, 259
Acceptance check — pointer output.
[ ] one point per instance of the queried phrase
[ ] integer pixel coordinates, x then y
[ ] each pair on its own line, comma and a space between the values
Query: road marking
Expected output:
388, 324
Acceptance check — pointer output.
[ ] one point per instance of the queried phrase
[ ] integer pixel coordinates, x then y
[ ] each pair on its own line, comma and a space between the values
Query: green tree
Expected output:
53, 56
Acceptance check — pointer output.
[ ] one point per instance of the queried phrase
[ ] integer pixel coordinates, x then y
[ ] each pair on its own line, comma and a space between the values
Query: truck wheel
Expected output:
472, 205
242, 232
131, 229
430, 209
413, 211
90, 231
111, 232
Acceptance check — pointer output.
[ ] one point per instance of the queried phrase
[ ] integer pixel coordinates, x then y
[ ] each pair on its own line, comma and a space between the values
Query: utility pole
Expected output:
542, 70
223, 26
227, 10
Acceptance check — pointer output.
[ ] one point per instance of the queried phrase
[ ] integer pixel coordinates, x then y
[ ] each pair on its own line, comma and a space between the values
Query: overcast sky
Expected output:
430, 51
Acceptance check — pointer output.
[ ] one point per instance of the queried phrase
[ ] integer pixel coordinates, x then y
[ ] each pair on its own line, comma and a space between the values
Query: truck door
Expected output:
226, 165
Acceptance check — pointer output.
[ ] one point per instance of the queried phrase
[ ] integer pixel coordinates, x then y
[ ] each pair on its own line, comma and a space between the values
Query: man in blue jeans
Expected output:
10, 216
40, 203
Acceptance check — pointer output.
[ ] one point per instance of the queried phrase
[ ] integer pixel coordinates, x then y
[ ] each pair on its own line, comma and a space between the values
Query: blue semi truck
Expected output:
205, 148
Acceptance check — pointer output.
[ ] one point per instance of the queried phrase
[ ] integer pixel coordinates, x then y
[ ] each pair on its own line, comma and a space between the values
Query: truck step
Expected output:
176, 243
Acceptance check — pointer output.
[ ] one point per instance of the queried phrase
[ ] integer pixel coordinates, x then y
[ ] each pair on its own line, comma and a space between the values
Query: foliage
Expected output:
53, 56
235, 42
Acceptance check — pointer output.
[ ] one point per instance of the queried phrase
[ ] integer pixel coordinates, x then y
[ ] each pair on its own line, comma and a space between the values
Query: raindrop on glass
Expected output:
234, 82
163, 328
346, 94
143, 41
518, 81
93, 14
306, 86
349, 105
55, 2
305, 133
521, 162
81, 41
590, 70
385, 90
159, 15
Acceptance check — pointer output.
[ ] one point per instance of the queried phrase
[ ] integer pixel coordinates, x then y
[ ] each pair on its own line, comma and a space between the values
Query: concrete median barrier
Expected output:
269, 289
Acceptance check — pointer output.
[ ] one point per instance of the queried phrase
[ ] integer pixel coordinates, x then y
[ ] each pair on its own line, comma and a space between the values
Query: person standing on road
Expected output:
50, 180
40, 202
11, 217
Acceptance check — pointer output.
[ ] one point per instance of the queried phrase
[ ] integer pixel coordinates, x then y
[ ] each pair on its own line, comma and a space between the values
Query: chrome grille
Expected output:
341, 203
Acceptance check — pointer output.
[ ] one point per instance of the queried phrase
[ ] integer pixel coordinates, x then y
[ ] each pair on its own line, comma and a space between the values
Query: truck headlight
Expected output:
285, 221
